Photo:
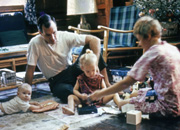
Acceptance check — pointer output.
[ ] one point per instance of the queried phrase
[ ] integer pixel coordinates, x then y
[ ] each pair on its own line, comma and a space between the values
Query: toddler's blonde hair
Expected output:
147, 25
88, 58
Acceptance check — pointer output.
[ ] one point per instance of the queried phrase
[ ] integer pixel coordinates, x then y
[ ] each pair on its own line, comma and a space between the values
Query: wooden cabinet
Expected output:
56, 8
104, 7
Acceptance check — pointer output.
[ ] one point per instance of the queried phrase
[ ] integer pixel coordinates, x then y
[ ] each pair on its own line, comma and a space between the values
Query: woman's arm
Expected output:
123, 84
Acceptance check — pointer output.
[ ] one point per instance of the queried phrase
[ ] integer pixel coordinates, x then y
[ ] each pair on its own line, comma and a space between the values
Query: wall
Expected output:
58, 9
12, 2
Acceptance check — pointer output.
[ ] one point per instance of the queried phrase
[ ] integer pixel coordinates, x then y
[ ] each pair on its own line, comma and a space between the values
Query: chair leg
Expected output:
74, 58
13, 65
105, 56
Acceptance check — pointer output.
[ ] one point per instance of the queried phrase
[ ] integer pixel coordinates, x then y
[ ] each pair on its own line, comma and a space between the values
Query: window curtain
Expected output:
30, 12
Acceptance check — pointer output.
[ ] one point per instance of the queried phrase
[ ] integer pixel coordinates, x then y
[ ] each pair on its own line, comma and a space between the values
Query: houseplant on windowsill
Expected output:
166, 11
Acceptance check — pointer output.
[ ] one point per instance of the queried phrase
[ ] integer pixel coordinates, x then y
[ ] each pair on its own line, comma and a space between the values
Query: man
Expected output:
51, 52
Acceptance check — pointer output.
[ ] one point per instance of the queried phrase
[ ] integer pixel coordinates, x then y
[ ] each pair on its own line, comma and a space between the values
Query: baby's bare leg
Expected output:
72, 100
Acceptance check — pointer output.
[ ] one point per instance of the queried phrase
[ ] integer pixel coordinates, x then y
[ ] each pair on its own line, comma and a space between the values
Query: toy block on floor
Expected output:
133, 117
127, 107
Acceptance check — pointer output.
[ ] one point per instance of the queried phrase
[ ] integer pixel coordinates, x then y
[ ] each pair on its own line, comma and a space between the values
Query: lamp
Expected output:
81, 7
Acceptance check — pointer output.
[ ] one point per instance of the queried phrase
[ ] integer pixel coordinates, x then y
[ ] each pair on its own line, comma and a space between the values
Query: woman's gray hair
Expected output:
147, 25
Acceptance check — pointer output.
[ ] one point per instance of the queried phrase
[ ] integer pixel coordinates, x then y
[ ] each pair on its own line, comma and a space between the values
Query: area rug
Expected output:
70, 119
30, 121
52, 120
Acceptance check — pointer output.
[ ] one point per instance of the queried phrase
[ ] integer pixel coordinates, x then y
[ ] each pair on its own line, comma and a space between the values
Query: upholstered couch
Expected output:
12, 29
13, 40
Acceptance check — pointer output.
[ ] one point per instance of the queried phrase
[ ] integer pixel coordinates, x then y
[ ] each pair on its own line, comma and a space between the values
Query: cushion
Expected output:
77, 50
123, 18
12, 21
14, 37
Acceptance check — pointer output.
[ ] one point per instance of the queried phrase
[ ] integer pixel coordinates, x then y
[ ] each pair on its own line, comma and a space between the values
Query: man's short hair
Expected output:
45, 20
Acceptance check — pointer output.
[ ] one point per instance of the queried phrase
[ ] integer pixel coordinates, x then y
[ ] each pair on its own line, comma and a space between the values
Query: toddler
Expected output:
87, 83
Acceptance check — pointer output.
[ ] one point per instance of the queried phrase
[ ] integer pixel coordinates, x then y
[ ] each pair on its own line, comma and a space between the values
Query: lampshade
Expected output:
79, 7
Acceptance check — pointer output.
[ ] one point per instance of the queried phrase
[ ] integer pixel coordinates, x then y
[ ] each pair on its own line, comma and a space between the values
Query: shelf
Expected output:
2, 88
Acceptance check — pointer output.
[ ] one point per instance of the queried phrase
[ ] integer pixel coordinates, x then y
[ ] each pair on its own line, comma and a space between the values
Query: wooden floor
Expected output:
119, 123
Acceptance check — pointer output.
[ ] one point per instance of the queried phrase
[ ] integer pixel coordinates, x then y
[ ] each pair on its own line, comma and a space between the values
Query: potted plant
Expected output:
166, 11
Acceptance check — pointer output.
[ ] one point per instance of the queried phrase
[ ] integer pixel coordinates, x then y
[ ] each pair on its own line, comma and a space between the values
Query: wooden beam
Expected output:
16, 8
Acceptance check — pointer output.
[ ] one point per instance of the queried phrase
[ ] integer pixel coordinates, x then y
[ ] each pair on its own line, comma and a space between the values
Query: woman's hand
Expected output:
95, 96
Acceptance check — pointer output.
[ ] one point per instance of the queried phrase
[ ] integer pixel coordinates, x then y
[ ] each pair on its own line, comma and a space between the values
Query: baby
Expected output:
20, 102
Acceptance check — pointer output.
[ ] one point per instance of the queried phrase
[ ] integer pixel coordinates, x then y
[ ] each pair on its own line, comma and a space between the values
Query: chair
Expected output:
118, 41
77, 50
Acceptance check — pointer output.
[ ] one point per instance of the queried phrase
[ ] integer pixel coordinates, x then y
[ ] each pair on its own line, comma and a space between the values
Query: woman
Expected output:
162, 61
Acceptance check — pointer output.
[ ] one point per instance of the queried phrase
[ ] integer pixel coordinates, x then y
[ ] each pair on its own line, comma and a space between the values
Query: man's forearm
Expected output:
28, 79
29, 74
95, 45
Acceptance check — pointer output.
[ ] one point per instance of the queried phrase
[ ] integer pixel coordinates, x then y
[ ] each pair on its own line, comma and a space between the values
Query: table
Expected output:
12, 56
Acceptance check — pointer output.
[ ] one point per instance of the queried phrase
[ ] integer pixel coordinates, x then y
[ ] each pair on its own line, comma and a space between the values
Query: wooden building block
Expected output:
133, 117
127, 107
